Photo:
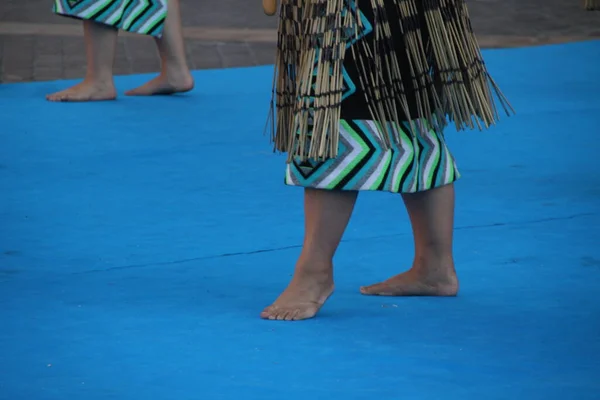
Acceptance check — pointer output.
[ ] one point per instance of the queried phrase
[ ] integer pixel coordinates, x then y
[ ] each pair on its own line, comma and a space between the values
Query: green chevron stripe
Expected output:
341, 173
382, 174
405, 139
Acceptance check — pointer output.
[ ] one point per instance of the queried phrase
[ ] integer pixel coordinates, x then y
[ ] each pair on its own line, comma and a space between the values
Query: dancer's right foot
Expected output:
85, 91
304, 296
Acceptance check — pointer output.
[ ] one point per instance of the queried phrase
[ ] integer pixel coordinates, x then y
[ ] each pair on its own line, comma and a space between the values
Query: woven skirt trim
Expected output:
418, 163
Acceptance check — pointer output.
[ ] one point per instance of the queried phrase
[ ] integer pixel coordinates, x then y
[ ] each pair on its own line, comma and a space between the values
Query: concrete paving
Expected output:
36, 45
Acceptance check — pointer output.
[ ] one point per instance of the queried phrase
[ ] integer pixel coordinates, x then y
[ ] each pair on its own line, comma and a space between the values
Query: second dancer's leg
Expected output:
175, 76
100, 46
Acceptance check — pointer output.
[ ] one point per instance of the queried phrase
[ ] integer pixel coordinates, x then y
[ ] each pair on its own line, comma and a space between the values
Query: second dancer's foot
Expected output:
164, 84
88, 90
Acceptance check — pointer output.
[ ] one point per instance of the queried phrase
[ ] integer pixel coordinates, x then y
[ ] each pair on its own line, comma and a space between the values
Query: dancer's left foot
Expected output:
164, 85
416, 282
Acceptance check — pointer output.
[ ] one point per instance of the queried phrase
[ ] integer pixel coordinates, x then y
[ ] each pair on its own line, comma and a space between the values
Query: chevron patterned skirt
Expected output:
145, 17
421, 162
417, 159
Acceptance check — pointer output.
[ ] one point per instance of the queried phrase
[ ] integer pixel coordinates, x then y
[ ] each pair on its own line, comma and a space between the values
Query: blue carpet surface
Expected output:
139, 240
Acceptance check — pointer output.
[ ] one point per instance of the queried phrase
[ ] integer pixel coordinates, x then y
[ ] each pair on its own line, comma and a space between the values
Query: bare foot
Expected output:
85, 91
164, 85
415, 283
303, 298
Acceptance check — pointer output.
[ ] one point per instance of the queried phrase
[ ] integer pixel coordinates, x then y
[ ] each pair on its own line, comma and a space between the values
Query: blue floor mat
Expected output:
139, 240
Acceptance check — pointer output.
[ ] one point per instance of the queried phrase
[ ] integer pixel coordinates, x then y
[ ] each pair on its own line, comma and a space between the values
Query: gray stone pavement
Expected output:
36, 45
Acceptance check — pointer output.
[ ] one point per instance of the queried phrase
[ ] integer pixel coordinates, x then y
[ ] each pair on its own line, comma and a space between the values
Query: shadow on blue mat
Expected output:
140, 238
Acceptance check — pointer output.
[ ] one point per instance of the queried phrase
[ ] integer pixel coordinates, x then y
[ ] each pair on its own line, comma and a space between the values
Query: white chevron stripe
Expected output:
289, 177
407, 157
376, 171
432, 157
137, 10
449, 165
58, 7
114, 17
155, 16
351, 155
416, 162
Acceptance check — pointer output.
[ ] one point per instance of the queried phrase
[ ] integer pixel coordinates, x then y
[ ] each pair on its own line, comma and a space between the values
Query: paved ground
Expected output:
36, 45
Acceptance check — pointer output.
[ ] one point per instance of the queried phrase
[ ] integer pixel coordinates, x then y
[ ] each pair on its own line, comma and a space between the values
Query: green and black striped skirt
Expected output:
145, 17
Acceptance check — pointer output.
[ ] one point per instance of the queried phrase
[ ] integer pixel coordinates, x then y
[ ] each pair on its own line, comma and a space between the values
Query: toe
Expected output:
369, 290
267, 312
280, 315
295, 316
273, 313
289, 315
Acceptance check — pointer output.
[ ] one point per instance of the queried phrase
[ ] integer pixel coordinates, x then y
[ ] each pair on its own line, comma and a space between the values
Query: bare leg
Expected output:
432, 273
326, 216
175, 75
100, 45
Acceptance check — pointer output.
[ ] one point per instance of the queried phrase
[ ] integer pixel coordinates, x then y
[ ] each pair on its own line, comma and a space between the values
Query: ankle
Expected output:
175, 69
434, 254
99, 79
321, 269
439, 265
